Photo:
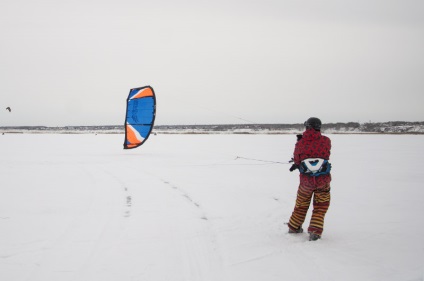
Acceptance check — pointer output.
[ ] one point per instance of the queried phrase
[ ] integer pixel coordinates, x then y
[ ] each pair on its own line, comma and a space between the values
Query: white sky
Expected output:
221, 61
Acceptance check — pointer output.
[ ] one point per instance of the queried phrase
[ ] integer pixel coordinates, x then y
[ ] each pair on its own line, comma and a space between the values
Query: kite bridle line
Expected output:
260, 160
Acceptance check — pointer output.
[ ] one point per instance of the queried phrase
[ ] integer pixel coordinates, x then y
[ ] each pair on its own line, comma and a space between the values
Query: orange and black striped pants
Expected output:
321, 202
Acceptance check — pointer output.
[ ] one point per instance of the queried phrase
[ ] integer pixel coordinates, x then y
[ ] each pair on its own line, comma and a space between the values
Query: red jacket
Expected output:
312, 145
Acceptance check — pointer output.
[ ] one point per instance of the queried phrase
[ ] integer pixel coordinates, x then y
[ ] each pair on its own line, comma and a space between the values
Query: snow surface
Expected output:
181, 207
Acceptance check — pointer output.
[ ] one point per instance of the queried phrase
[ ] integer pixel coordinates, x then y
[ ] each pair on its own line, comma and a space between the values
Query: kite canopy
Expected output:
140, 116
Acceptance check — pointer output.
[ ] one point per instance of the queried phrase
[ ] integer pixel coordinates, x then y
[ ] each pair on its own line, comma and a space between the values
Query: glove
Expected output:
294, 167
299, 137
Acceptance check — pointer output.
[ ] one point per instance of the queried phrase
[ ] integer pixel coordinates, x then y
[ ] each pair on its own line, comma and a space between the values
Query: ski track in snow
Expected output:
187, 196
199, 253
90, 236
202, 260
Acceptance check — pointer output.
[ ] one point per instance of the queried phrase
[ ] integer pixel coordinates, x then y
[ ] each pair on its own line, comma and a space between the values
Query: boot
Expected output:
314, 236
299, 230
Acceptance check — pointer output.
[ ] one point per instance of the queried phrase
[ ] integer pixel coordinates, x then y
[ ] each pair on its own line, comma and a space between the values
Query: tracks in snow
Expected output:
137, 225
187, 197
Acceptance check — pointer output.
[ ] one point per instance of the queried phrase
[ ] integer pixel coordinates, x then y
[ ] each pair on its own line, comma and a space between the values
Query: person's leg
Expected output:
303, 200
321, 203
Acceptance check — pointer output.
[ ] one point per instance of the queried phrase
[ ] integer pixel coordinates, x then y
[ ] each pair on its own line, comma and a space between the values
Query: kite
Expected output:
140, 116
8, 108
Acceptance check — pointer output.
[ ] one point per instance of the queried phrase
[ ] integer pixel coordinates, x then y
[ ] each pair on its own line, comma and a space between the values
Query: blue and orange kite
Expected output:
140, 116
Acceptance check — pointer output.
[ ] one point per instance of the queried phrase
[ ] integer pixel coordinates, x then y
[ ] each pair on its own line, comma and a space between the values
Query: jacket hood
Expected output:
311, 134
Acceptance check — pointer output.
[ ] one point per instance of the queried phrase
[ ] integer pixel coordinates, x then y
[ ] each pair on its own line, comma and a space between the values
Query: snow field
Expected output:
181, 207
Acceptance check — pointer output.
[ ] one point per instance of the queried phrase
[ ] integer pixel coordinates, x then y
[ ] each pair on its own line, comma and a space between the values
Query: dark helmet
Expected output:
314, 123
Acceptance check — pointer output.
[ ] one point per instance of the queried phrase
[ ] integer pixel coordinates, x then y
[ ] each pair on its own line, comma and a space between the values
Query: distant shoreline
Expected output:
394, 127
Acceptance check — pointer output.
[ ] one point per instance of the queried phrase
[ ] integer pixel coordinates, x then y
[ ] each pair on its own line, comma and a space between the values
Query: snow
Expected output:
182, 207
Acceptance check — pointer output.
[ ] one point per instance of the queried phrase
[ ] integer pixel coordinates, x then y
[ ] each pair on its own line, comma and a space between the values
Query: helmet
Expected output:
314, 123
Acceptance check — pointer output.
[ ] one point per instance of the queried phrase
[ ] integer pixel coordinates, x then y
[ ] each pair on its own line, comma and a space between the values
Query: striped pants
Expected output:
321, 203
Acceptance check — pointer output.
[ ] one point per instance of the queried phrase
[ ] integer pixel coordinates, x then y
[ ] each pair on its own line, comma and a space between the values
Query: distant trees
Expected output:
393, 127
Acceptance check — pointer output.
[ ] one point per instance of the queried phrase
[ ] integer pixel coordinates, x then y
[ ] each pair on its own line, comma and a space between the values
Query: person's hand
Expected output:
294, 167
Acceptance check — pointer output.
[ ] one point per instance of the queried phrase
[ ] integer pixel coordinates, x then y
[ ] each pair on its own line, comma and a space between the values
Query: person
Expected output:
311, 156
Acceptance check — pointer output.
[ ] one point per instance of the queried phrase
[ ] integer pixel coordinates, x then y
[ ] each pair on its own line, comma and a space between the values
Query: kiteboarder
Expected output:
311, 155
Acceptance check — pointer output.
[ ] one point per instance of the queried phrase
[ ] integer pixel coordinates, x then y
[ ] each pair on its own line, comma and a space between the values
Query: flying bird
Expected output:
8, 108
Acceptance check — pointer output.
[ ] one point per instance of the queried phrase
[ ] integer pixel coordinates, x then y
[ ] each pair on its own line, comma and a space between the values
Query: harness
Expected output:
315, 167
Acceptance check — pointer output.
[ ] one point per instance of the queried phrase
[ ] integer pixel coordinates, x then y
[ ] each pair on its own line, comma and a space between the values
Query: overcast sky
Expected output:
210, 62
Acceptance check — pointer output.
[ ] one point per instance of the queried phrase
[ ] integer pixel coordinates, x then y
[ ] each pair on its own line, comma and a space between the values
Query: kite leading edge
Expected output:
140, 116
